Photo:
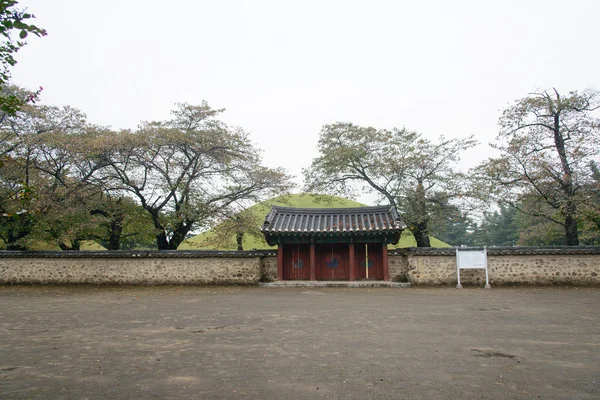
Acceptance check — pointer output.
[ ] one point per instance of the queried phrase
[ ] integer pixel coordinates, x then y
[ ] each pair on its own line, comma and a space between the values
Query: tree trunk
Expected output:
571, 231
15, 247
75, 245
17, 230
161, 240
239, 237
570, 209
179, 234
419, 228
421, 236
161, 236
116, 229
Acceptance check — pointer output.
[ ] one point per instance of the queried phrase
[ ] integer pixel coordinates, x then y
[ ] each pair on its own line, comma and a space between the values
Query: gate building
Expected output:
335, 244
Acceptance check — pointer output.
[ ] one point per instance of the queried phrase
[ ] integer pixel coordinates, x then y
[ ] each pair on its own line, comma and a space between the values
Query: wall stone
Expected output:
516, 269
542, 270
398, 268
146, 271
268, 269
432, 270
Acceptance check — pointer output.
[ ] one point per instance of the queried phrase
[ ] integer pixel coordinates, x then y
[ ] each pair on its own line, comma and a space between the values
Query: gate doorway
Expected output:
332, 262
296, 262
375, 264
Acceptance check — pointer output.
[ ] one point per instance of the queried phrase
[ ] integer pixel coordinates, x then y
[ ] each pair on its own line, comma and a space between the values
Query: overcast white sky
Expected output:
282, 69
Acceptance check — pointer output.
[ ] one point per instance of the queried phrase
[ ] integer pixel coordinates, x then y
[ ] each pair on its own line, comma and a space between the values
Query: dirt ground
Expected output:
91, 342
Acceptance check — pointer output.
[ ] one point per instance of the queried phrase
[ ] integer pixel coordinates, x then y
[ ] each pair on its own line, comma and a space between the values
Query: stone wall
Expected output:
268, 269
397, 267
147, 268
506, 266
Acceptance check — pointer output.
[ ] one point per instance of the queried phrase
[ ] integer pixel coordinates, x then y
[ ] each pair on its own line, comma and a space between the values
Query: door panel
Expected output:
332, 262
296, 260
375, 261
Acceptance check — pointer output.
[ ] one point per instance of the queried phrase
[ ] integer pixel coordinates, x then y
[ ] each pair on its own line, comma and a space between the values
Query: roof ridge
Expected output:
363, 210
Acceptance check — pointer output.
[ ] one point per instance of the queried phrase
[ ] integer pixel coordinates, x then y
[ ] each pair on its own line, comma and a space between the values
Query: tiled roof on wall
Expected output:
502, 250
139, 254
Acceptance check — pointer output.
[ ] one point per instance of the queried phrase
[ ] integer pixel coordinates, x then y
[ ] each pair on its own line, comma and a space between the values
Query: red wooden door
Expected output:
296, 258
375, 261
332, 262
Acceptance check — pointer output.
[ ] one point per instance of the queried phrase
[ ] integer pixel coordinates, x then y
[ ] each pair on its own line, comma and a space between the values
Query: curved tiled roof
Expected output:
281, 220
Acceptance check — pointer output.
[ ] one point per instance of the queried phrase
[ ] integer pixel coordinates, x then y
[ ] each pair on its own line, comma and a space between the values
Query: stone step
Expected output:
353, 284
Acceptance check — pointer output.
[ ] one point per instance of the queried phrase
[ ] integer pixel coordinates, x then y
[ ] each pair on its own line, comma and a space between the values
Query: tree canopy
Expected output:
187, 170
548, 143
404, 168
14, 20
64, 180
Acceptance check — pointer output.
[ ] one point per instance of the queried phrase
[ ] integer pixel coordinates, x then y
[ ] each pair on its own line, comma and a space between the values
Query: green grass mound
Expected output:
408, 240
206, 240
38, 245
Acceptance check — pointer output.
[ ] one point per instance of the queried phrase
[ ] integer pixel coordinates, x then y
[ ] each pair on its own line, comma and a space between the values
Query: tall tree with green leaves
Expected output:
121, 223
459, 228
37, 173
14, 20
186, 171
499, 228
241, 224
591, 215
546, 143
401, 166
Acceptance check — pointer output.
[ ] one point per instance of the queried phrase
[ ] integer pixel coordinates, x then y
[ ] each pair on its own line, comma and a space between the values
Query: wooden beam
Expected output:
280, 262
352, 262
313, 263
386, 271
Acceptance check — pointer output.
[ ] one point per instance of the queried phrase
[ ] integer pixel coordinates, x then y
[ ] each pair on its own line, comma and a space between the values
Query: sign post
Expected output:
471, 258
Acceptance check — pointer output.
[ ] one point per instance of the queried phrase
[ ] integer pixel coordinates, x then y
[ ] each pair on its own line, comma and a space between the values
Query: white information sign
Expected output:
471, 258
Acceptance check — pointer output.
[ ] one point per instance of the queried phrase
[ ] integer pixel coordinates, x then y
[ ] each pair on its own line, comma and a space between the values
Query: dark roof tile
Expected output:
326, 220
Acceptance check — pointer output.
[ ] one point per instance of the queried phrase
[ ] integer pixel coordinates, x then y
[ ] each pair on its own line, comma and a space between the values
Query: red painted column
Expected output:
386, 271
352, 262
313, 263
280, 262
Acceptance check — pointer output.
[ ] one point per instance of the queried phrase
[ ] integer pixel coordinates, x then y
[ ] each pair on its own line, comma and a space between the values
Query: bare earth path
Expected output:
88, 342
